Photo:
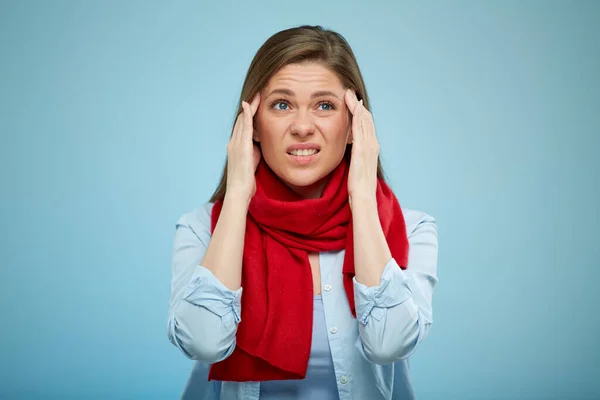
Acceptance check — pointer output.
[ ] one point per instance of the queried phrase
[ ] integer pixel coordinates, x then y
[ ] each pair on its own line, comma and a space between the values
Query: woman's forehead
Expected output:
303, 78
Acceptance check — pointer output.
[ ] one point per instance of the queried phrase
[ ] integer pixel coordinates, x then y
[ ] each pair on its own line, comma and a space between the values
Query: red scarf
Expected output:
274, 335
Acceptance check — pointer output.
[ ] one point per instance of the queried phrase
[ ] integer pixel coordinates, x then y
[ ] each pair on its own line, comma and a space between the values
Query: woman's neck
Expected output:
314, 191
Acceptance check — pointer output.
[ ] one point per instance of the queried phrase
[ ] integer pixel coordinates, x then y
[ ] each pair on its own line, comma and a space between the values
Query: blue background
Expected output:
115, 116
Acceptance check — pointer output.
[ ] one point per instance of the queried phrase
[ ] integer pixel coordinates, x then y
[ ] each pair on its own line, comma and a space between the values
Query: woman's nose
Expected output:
303, 124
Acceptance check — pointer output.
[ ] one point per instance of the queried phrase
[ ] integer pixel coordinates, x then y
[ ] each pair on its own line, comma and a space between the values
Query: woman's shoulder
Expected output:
416, 220
198, 218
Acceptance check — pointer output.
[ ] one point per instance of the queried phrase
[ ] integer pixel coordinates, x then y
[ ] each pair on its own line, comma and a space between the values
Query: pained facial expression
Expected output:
303, 107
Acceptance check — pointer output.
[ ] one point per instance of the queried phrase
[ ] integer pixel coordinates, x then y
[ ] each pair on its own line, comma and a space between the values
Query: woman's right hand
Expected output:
243, 155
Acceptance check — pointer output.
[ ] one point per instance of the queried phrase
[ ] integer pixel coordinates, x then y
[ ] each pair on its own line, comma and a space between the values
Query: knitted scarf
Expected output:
273, 339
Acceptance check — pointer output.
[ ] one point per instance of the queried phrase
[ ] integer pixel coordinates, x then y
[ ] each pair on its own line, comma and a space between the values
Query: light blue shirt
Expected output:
370, 353
320, 382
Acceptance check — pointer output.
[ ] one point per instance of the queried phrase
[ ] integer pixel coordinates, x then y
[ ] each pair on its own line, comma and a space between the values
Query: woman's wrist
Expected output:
363, 203
236, 200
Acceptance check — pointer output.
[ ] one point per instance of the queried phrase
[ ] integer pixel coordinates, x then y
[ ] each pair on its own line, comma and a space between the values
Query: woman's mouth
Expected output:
303, 153
304, 156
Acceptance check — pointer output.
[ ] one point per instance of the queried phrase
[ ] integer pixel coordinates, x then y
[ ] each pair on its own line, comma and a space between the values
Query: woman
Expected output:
337, 279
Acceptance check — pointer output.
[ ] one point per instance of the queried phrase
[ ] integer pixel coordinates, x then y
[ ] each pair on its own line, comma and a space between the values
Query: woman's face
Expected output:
303, 126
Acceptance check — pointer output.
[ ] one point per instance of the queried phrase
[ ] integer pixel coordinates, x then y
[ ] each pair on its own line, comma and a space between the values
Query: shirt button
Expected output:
327, 288
333, 330
343, 379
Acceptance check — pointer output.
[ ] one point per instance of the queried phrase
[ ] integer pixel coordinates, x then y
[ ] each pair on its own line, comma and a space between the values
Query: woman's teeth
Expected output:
304, 153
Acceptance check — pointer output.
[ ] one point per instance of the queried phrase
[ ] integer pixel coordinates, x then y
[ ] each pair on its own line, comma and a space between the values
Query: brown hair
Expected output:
300, 45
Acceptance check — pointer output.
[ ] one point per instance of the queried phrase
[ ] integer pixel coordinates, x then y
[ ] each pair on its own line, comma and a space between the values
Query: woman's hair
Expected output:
294, 46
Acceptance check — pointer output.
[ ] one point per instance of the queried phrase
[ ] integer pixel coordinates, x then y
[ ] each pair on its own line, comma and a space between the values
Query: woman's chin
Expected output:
303, 178
305, 182
302, 181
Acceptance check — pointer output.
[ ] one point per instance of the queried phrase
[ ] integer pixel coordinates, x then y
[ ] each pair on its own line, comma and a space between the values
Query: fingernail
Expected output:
361, 102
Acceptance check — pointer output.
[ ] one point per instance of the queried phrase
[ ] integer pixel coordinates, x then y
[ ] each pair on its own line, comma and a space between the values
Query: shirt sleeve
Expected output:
203, 313
395, 316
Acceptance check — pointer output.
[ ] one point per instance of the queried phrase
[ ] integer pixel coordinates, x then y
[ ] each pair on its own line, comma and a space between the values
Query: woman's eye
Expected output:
280, 105
326, 106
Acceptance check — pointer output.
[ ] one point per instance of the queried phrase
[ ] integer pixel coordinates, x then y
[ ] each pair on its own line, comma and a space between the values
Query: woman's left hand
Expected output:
362, 177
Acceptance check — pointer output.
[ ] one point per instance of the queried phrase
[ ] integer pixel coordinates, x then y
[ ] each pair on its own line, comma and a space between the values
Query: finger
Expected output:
255, 103
248, 128
368, 123
357, 133
237, 127
364, 120
351, 101
364, 126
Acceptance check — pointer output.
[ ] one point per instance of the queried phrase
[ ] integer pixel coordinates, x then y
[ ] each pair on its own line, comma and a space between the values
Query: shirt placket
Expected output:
330, 292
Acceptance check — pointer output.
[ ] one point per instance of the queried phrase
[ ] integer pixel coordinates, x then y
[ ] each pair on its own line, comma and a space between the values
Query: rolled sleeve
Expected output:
204, 324
203, 313
395, 316
205, 290
372, 302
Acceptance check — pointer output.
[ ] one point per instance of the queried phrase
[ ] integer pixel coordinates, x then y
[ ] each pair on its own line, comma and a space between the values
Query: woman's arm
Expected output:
224, 253
395, 315
204, 311
207, 271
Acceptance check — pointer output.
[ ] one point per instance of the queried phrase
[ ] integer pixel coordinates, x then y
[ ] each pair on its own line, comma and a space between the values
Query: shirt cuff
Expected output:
205, 290
391, 291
